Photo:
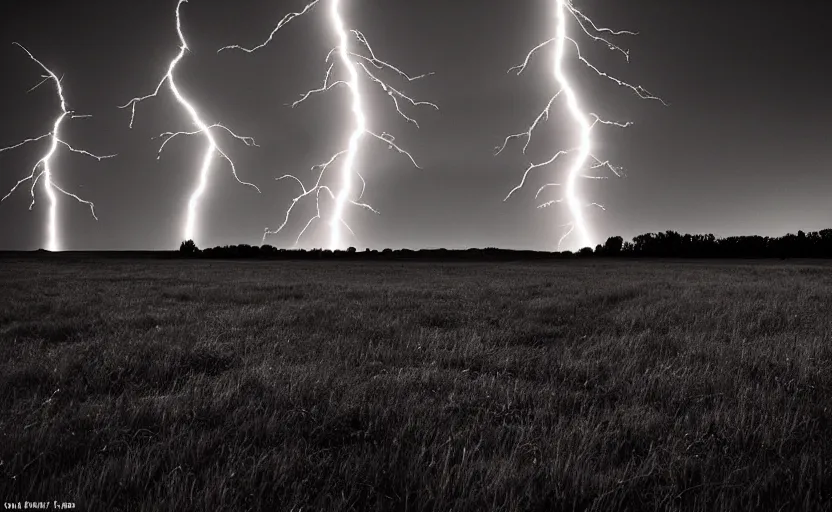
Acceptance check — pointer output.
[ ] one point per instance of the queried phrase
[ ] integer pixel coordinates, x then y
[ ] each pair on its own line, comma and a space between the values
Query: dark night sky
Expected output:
740, 150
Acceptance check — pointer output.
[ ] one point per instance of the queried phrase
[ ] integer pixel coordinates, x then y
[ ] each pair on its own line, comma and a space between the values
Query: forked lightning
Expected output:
355, 64
584, 159
202, 128
43, 167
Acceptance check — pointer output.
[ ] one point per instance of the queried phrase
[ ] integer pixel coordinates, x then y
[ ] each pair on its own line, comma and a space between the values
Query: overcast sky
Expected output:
742, 148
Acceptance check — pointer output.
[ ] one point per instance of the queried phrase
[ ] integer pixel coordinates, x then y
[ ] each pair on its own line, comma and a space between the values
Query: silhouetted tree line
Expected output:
268, 252
670, 244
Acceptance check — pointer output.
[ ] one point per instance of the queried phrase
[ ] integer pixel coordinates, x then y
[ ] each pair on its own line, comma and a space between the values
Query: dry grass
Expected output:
587, 385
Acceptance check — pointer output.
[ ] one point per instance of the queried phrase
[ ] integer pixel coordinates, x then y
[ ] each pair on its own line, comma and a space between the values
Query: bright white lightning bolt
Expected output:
585, 121
189, 229
43, 167
354, 64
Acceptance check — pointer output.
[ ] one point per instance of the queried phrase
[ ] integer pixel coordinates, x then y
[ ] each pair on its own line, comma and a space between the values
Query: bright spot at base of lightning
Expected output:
356, 65
44, 166
202, 128
584, 159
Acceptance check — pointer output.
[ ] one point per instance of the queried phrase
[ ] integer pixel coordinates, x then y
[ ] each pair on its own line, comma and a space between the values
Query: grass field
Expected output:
586, 385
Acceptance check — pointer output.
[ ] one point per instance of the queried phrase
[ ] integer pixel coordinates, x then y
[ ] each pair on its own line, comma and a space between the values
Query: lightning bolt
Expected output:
43, 167
584, 122
356, 65
202, 128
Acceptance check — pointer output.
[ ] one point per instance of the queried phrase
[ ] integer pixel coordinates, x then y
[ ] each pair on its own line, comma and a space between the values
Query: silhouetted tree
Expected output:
612, 247
189, 248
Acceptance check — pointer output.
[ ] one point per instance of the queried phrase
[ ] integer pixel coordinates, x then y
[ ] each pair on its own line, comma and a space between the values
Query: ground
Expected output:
586, 385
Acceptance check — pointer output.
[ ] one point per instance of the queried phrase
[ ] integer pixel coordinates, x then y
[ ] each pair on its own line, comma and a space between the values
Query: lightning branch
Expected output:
42, 170
354, 55
584, 163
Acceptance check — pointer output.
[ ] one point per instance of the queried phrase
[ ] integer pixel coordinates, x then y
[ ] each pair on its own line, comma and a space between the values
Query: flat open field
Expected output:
586, 385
